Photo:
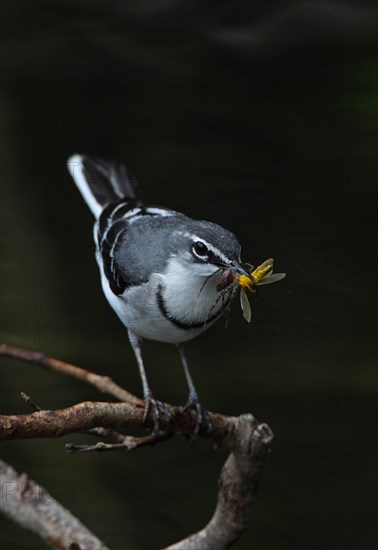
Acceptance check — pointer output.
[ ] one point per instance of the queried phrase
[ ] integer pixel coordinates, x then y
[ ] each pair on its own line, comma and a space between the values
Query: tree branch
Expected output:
237, 487
247, 440
103, 383
31, 506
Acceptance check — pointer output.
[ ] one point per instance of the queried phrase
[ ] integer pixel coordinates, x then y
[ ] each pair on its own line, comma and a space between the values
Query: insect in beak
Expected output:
262, 275
236, 276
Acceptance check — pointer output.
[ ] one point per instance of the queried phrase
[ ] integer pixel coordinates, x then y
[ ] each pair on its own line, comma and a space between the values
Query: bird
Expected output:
159, 268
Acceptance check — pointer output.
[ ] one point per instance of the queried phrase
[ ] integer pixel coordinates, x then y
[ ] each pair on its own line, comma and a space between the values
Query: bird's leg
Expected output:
151, 405
193, 401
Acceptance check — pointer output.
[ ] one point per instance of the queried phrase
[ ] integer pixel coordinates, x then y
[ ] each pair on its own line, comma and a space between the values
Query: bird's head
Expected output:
204, 249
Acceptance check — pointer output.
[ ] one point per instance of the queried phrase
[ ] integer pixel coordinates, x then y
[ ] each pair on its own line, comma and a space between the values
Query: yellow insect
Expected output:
262, 275
230, 282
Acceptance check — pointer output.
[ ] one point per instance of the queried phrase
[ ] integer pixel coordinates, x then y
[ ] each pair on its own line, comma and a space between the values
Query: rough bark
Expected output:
246, 440
33, 508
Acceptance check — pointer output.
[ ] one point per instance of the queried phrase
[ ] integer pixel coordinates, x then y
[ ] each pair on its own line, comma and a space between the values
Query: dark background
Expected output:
259, 116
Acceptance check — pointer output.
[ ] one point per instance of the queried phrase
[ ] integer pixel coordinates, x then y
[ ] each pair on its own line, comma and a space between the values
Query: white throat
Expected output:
186, 294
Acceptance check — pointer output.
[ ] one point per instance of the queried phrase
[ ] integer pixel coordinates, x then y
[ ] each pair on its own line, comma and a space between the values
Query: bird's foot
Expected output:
156, 409
201, 415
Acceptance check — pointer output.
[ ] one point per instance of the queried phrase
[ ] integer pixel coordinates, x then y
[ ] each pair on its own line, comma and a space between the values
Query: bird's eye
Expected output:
200, 248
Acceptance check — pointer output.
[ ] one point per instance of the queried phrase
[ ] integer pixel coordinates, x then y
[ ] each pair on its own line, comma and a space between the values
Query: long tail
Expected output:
102, 181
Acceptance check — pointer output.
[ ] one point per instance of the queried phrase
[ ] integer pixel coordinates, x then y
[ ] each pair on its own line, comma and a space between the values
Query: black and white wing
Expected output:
115, 199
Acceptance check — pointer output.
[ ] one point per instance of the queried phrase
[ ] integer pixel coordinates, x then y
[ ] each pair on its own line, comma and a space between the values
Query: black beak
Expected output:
240, 269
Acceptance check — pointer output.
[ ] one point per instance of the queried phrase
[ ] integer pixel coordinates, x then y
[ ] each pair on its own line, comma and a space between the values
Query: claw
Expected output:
156, 409
202, 417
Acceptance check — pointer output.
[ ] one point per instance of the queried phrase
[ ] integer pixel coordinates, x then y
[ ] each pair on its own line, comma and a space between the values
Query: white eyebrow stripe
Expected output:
164, 212
212, 248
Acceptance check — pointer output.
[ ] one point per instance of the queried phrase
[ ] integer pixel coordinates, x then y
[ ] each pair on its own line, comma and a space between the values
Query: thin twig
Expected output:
128, 443
103, 383
29, 401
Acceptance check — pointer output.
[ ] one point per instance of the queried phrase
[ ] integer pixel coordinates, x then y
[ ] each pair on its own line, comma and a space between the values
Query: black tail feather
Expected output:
103, 181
